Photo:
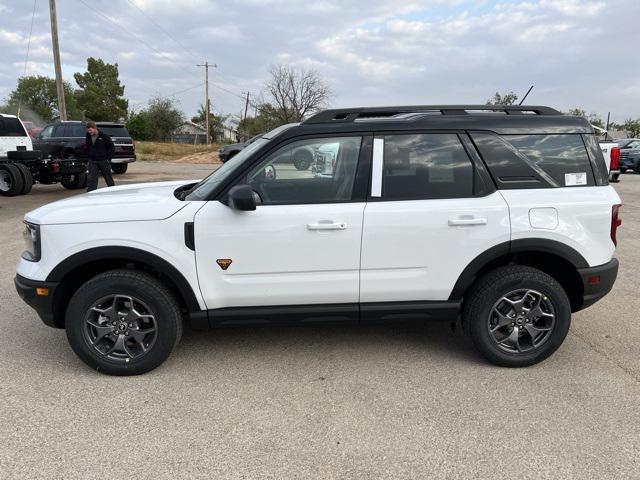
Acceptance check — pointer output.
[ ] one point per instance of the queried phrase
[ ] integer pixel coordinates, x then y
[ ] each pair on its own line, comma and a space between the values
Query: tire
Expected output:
486, 307
24, 155
623, 169
27, 178
637, 169
302, 159
92, 341
11, 183
119, 168
74, 181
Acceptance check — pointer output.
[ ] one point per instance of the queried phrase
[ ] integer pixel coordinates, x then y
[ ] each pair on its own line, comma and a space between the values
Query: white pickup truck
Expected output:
611, 152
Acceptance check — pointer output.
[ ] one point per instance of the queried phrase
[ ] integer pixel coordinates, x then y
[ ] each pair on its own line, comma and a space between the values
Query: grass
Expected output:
168, 152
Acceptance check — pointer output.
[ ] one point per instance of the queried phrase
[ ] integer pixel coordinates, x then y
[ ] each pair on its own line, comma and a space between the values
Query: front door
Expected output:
301, 246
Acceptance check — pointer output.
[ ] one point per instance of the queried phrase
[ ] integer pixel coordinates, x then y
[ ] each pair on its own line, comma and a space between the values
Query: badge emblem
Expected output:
224, 263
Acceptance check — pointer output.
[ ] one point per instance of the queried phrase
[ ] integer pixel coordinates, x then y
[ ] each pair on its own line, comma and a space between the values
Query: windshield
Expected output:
203, 190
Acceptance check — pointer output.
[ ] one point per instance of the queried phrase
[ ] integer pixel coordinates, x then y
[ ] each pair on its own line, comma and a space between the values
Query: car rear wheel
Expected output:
11, 183
302, 159
119, 168
517, 316
123, 322
27, 178
623, 169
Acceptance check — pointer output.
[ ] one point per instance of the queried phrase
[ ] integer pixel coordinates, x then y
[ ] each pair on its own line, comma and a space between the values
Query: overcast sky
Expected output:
375, 52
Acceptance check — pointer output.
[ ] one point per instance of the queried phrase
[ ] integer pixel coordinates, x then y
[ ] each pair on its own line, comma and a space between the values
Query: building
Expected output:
189, 132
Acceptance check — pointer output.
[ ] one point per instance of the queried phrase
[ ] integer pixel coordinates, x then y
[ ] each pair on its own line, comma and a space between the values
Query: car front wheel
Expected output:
517, 316
123, 322
119, 168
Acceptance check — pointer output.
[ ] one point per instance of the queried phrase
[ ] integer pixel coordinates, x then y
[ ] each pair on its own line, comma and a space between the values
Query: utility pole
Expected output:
246, 106
206, 96
62, 108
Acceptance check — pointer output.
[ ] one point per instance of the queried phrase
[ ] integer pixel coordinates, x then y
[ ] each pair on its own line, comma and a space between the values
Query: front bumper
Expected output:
42, 304
597, 281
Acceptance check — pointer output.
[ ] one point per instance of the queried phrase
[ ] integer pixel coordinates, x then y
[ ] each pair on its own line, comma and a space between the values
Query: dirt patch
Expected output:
202, 157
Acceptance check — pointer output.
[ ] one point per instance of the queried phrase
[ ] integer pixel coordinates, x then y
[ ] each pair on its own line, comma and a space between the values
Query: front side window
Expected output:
425, 166
319, 170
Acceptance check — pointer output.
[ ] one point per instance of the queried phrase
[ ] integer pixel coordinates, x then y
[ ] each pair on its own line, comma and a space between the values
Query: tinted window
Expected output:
319, 170
46, 133
60, 131
563, 157
11, 127
76, 131
425, 167
114, 131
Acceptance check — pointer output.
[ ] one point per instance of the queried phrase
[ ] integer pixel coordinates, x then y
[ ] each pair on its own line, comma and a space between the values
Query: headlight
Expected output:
31, 235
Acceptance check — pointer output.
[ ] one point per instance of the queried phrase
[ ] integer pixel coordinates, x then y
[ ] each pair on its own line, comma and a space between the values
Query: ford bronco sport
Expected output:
500, 215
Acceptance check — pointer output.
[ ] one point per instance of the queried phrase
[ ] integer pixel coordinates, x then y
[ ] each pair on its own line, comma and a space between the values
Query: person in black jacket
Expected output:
99, 150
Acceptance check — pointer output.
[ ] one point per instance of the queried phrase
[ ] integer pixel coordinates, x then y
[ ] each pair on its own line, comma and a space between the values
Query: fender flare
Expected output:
469, 274
132, 254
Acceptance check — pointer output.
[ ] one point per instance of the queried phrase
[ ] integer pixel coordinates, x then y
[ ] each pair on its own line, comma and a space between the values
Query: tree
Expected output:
266, 119
593, 118
138, 125
632, 127
215, 121
509, 98
101, 94
37, 98
295, 93
163, 118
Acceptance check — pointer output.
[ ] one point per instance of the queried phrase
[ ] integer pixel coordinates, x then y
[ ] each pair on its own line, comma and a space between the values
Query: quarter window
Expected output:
319, 170
425, 166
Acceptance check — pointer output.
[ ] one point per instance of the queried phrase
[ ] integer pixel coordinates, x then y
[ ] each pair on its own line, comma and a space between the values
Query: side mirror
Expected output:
241, 197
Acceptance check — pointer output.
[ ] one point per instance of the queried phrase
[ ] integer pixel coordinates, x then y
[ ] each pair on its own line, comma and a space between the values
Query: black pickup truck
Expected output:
66, 140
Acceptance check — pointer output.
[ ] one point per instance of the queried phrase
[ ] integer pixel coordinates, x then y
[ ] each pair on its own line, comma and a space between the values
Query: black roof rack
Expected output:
352, 114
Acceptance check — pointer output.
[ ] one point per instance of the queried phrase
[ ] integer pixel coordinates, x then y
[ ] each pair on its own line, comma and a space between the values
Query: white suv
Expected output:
504, 217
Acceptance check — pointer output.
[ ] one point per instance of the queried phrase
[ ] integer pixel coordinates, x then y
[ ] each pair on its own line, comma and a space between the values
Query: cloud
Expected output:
576, 52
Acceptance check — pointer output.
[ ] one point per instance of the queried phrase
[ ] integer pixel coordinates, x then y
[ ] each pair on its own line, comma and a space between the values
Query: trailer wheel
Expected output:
27, 178
10, 180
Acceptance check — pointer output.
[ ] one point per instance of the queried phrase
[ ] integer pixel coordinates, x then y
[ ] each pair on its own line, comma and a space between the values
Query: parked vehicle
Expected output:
629, 154
427, 212
227, 152
32, 129
66, 140
21, 166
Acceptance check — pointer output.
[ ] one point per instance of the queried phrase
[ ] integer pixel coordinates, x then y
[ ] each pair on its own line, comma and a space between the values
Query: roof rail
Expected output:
352, 114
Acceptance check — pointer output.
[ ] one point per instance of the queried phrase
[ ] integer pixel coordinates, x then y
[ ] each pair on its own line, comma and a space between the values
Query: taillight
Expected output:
134, 145
615, 222
615, 157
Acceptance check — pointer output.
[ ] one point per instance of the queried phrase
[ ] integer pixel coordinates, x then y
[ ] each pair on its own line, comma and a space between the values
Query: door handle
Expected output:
467, 220
327, 225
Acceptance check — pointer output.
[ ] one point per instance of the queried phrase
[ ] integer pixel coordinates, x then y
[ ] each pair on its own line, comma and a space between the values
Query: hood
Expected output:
126, 203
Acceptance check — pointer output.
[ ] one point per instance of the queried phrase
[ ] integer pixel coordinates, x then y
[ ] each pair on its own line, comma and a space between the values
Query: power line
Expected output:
26, 58
110, 20
186, 49
185, 90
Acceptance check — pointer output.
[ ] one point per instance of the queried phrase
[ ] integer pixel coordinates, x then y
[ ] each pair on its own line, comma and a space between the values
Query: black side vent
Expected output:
189, 237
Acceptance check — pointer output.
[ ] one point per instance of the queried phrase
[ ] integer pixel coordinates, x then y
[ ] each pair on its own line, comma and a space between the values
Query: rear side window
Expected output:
563, 157
535, 161
11, 127
425, 166
114, 131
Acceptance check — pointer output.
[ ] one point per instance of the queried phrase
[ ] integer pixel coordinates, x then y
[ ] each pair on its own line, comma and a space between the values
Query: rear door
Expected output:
431, 212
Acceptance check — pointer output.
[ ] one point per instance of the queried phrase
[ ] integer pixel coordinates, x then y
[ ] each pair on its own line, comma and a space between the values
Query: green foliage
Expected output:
632, 127
266, 119
215, 121
101, 94
594, 118
509, 98
38, 100
163, 118
138, 125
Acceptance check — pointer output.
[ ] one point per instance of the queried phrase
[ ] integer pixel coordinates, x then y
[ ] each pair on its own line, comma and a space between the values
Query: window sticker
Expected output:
574, 179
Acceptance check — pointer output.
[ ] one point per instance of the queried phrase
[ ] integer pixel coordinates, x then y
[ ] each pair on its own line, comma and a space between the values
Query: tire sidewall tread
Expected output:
146, 288
490, 288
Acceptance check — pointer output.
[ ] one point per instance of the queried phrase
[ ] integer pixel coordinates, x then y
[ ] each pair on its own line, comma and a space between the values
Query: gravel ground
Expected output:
322, 402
